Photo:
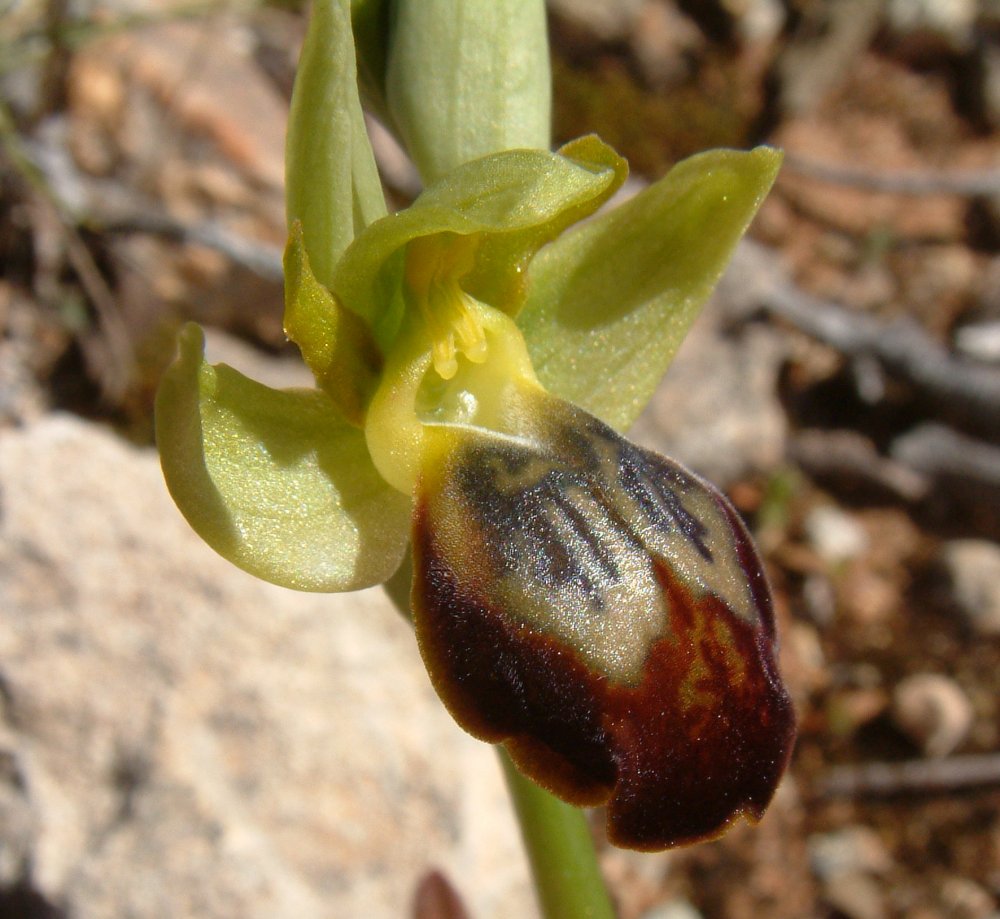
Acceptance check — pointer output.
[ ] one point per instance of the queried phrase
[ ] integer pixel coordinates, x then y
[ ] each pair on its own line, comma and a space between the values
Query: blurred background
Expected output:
177, 739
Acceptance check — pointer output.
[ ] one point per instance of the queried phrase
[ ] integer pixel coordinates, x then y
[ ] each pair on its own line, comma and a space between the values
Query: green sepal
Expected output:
335, 343
332, 182
466, 78
609, 303
275, 480
516, 200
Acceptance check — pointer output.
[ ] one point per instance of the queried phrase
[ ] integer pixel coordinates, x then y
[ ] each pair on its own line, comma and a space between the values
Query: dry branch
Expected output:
968, 184
961, 389
262, 259
935, 450
924, 776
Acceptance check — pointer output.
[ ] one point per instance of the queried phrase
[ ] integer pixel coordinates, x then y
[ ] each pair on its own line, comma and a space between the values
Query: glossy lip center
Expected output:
434, 267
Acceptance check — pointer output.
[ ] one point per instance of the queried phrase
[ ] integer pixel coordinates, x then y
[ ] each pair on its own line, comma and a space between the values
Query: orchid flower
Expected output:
595, 607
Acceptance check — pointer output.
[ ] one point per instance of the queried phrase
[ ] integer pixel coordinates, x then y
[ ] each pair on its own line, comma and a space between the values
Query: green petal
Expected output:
609, 304
334, 342
466, 78
517, 199
332, 181
275, 481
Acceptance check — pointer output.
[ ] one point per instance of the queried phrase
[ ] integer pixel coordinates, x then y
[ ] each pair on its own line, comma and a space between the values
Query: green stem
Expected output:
561, 851
556, 836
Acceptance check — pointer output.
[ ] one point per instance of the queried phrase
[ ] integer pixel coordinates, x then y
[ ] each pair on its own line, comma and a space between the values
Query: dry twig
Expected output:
116, 367
934, 450
967, 184
262, 259
851, 454
923, 776
961, 389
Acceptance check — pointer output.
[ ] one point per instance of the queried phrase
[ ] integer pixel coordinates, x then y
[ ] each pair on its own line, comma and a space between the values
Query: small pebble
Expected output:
835, 534
855, 896
850, 850
674, 909
980, 341
973, 569
933, 711
951, 19
965, 899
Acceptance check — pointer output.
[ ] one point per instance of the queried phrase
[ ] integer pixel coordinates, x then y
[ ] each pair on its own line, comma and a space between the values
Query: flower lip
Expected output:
621, 647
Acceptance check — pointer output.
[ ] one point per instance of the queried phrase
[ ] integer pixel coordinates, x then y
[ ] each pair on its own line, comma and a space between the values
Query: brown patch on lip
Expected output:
502, 683
721, 741
700, 741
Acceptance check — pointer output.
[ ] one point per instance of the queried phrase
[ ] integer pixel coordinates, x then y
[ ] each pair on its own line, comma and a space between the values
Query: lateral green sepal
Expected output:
335, 343
332, 183
276, 481
610, 302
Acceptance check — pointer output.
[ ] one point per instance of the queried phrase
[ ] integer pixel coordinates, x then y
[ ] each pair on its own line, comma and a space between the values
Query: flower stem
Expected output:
567, 876
556, 836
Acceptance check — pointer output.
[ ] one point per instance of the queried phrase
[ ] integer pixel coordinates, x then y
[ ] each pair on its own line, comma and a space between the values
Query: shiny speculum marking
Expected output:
602, 611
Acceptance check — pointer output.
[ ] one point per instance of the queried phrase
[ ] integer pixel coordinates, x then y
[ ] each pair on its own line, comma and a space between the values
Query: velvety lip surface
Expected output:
698, 740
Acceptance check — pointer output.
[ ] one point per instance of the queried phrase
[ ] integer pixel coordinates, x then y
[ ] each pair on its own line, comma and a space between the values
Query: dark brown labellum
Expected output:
602, 611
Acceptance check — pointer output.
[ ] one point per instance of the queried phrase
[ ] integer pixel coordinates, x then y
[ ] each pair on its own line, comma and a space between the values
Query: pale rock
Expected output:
759, 22
854, 849
835, 535
178, 739
849, 864
933, 711
973, 569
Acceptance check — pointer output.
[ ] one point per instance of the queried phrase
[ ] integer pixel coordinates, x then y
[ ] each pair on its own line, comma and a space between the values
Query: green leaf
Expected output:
516, 200
468, 77
275, 481
332, 181
609, 304
335, 343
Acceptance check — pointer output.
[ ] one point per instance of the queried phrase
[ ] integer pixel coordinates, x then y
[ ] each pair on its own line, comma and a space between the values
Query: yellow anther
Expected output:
434, 267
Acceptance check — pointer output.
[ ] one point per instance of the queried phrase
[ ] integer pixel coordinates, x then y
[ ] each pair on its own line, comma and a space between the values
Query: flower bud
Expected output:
468, 77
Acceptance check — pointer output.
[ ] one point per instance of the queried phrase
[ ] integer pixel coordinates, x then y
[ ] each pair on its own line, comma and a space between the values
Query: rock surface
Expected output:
180, 740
